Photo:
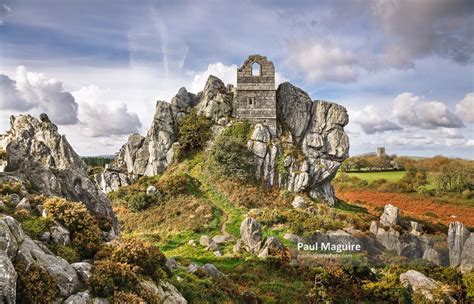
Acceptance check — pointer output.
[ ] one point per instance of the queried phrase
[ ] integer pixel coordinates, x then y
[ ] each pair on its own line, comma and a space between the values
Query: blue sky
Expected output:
403, 69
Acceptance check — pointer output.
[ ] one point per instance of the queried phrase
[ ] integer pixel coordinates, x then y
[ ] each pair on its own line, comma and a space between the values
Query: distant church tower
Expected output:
256, 96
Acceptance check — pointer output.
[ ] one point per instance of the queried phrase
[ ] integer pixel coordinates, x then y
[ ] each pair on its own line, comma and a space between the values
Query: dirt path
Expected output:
423, 208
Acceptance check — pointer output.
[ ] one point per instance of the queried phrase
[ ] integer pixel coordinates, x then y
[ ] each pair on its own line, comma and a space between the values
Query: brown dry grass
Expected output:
422, 208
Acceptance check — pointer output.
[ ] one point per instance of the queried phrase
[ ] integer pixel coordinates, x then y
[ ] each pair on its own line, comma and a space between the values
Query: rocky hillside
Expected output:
303, 156
54, 225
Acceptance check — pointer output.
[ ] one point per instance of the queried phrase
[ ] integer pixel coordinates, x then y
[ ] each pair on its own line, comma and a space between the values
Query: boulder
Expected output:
151, 190
128, 152
183, 101
8, 277
165, 292
204, 240
212, 246
215, 101
111, 179
171, 263
24, 204
59, 234
299, 203
433, 256
211, 271
218, 253
419, 283
457, 236
78, 298
272, 247
14, 199
221, 239
467, 255
251, 234
237, 247
83, 270
295, 106
390, 216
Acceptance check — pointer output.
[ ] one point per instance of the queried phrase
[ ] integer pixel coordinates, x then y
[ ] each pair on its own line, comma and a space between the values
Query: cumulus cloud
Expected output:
409, 140
413, 110
370, 121
450, 133
103, 119
10, 97
323, 62
465, 108
227, 73
470, 143
36, 92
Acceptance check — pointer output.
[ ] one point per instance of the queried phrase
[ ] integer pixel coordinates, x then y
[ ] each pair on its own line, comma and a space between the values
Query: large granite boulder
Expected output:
251, 234
183, 101
164, 292
215, 101
430, 289
38, 154
390, 216
112, 178
295, 106
461, 247
128, 153
10, 235
273, 247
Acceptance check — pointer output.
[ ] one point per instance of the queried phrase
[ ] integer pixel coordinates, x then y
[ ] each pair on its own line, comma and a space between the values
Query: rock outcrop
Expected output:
112, 178
302, 156
40, 156
461, 247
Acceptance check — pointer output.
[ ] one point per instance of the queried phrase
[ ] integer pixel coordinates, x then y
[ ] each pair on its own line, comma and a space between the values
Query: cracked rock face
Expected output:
41, 156
461, 247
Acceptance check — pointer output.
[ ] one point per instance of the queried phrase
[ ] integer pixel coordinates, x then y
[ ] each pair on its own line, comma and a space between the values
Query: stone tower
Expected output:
256, 96
380, 151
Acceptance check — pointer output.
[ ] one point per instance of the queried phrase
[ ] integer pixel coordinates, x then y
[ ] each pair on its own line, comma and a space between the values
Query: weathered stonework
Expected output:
256, 96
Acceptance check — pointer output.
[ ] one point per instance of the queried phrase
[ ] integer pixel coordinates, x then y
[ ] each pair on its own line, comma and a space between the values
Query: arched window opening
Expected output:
256, 69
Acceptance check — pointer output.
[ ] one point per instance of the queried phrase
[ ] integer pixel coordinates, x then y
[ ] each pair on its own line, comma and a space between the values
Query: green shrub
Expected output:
174, 184
36, 226
139, 201
241, 130
468, 282
85, 232
193, 132
108, 277
386, 288
68, 253
231, 159
35, 284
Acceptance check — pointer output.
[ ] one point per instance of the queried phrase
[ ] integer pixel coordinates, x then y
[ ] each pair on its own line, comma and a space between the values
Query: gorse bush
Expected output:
10, 187
35, 284
36, 226
193, 132
84, 229
231, 159
108, 277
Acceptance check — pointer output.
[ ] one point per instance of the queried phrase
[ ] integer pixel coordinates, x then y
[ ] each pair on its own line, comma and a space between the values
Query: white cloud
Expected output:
37, 93
227, 73
323, 62
465, 108
451, 133
409, 140
455, 142
413, 110
372, 122
470, 143
99, 115
10, 97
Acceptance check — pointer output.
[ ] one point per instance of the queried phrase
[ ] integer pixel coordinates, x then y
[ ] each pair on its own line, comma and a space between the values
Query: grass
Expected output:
393, 176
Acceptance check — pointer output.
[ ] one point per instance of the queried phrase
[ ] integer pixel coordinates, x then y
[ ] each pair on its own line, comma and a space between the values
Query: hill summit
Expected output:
297, 143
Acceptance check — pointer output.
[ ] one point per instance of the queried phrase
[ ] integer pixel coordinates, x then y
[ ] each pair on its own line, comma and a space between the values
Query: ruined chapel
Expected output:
256, 95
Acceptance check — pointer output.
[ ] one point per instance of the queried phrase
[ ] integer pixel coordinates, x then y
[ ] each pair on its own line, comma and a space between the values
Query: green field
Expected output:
394, 176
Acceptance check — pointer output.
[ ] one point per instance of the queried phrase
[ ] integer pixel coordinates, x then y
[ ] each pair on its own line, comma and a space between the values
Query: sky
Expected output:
403, 69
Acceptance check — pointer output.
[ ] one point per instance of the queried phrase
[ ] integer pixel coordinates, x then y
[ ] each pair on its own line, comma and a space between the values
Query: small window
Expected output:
250, 101
256, 69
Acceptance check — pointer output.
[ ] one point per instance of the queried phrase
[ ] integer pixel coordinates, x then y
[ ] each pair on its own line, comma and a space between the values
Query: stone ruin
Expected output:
255, 100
